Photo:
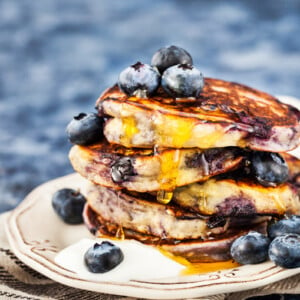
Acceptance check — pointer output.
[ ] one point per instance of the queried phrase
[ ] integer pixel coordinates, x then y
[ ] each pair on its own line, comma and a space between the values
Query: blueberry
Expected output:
122, 169
103, 257
139, 79
251, 248
269, 169
69, 204
284, 226
182, 81
216, 221
170, 56
85, 129
284, 251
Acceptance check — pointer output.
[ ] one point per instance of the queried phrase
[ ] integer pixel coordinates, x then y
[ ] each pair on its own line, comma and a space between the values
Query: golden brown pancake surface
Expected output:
225, 114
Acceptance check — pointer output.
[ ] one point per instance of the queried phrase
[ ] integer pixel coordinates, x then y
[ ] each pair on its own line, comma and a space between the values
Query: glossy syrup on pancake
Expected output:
224, 114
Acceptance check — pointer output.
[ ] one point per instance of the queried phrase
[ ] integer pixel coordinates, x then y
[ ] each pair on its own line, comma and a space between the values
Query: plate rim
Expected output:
151, 289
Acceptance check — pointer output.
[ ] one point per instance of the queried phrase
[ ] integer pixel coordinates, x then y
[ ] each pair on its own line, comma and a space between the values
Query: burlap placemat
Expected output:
18, 281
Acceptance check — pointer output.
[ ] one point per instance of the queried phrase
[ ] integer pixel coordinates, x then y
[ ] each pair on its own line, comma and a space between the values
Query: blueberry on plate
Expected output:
268, 168
69, 204
103, 257
140, 80
284, 251
251, 248
182, 80
169, 56
85, 129
284, 226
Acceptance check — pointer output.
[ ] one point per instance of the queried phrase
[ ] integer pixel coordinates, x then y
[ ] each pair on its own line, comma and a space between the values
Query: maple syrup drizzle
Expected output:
169, 162
194, 268
169, 169
200, 268
129, 128
164, 197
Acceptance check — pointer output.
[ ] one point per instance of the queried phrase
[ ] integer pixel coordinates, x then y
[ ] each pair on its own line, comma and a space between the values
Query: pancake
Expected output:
144, 216
215, 248
229, 197
294, 170
224, 114
144, 170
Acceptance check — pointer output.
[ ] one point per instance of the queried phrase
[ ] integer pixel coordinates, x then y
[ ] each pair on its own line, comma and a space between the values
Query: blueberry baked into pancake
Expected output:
145, 170
186, 163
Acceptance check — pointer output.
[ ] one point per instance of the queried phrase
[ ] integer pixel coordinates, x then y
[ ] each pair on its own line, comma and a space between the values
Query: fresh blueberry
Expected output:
182, 81
122, 169
103, 257
170, 56
284, 226
251, 248
85, 129
69, 204
284, 251
269, 169
140, 80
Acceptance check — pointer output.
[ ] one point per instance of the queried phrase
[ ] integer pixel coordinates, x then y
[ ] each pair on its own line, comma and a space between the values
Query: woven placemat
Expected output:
18, 281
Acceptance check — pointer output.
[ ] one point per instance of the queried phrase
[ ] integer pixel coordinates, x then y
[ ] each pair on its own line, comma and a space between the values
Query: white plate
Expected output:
36, 235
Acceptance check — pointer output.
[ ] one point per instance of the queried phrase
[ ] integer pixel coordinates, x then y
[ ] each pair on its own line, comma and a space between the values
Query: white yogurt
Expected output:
140, 262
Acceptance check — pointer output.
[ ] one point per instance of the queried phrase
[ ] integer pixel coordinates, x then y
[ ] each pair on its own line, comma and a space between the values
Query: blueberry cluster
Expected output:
171, 67
282, 245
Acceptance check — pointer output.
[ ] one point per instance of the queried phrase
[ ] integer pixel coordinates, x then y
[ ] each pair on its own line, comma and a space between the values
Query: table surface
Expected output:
57, 56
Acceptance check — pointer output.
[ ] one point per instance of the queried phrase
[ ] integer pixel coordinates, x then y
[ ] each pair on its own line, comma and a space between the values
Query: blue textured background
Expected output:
56, 56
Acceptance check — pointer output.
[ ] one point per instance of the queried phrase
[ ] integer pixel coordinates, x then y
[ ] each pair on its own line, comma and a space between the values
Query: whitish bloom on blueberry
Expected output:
85, 129
269, 169
284, 251
69, 204
140, 80
182, 80
101, 258
284, 226
169, 56
251, 248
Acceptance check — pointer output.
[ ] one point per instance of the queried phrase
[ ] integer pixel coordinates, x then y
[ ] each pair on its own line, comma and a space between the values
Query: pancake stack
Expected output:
190, 174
